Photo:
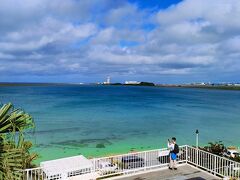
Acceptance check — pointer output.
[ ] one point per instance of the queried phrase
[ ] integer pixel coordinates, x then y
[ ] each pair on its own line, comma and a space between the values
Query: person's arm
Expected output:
170, 146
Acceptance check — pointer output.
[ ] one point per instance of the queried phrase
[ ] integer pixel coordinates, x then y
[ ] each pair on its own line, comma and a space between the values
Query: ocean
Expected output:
105, 120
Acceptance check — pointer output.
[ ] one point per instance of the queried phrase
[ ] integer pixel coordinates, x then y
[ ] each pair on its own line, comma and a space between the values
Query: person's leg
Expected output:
174, 164
170, 162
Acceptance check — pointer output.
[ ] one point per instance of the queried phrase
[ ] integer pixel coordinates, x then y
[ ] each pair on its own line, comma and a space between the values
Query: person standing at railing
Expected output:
174, 150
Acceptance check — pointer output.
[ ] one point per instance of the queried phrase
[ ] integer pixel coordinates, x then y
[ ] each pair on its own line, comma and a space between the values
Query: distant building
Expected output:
132, 82
199, 83
108, 80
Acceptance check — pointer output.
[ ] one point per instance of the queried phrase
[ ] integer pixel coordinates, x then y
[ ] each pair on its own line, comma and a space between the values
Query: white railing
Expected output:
144, 161
34, 174
135, 162
115, 165
213, 164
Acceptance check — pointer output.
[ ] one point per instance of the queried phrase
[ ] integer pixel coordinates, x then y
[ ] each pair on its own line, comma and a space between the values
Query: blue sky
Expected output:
163, 41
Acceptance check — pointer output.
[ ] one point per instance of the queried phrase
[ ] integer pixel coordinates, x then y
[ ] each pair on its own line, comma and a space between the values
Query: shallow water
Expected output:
72, 119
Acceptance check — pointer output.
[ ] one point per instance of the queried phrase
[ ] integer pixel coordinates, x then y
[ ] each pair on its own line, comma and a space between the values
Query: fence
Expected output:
212, 163
135, 162
142, 161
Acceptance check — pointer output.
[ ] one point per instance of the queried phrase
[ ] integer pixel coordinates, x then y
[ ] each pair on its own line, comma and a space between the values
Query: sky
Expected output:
161, 41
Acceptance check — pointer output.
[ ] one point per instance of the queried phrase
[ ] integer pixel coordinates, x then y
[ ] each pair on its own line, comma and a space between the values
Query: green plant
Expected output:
14, 150
215, 147
237, 159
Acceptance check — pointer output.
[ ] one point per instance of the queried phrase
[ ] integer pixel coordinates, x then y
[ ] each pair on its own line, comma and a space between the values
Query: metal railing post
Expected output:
215, 164
186, 154
94, 165
27, 174
197, 156
145, 164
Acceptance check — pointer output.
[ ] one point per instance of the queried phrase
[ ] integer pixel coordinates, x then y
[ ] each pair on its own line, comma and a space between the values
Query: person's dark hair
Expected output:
174, 139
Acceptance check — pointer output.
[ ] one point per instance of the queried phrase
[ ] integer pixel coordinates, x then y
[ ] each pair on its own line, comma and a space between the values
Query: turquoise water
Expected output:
73, 119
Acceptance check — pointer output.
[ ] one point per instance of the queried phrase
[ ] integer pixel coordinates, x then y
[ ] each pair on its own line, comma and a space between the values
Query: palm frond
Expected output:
14, 150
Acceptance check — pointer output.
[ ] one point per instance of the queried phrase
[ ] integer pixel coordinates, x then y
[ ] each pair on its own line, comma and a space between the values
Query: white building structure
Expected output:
132, 82
66, 167
108, 80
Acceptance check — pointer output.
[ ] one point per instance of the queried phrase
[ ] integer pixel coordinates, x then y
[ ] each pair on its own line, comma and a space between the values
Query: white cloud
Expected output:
232, 44
117, 37
48, 31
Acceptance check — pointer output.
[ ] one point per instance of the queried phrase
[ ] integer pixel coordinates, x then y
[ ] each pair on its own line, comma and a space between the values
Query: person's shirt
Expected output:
170, 146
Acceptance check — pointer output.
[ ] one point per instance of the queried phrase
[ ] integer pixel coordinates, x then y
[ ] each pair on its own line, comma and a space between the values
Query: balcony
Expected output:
193, 163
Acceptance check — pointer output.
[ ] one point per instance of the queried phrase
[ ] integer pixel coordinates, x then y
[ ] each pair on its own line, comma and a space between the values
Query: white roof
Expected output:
65, 165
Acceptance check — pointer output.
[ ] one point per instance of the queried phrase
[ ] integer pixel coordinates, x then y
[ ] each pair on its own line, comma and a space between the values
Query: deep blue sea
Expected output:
73, 119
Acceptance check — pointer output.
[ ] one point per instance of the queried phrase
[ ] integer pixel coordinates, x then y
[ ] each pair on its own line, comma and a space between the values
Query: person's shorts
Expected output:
173, 156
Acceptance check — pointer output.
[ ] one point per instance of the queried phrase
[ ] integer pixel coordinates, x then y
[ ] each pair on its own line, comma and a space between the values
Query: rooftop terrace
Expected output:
184, 172
193, 164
